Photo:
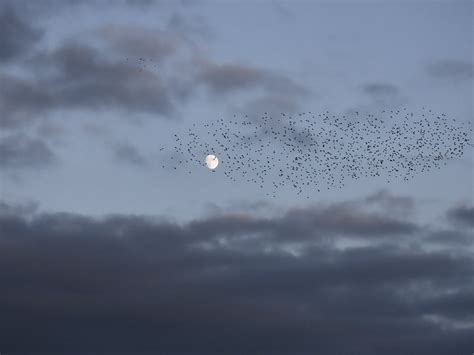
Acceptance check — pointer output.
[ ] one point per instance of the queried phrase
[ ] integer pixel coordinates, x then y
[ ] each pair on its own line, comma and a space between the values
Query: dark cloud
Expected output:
381, 93
27, 209
129, 77
451, 237
225, 78
23, 101
274, 93
129, 154
451, 69
313, 224
81, 77
150, 44
351, 220
132, 283
115, 67
20, 151
96, 82
17, 36
462, 214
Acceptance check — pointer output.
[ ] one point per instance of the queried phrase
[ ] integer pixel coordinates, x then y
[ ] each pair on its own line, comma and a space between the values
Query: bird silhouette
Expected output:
307, 151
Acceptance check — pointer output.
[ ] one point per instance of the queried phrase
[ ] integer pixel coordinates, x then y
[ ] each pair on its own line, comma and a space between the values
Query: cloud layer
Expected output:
121, 68
20, 151
16, 34
234, 283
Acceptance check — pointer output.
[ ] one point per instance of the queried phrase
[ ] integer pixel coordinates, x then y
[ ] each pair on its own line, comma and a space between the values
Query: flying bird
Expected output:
309, 152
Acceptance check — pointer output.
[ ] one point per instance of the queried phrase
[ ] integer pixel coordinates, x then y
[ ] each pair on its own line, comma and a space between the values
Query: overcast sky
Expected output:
103, 250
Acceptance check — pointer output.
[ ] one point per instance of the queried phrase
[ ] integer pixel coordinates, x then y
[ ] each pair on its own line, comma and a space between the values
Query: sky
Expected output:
103, 250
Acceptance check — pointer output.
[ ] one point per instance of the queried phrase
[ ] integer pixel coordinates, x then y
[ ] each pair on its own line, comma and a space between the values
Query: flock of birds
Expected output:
309, 151
142, 63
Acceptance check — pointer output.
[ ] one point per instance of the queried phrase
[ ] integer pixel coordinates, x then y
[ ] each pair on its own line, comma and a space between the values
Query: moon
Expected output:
212, 161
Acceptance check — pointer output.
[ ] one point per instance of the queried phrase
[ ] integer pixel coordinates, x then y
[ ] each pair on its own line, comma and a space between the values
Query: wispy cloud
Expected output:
19, 151
16, 34
128, 154
451, 69
462, 214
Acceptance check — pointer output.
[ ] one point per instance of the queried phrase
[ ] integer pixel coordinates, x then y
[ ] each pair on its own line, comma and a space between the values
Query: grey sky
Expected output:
90, 91
336, 57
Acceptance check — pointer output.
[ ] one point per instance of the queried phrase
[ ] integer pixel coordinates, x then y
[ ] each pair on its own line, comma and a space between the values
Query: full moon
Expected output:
212, 161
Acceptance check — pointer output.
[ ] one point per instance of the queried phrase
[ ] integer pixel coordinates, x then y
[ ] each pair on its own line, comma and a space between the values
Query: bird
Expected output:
310, 151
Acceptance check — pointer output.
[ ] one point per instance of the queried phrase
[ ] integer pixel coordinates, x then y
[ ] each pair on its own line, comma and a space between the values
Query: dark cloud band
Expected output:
227, 284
